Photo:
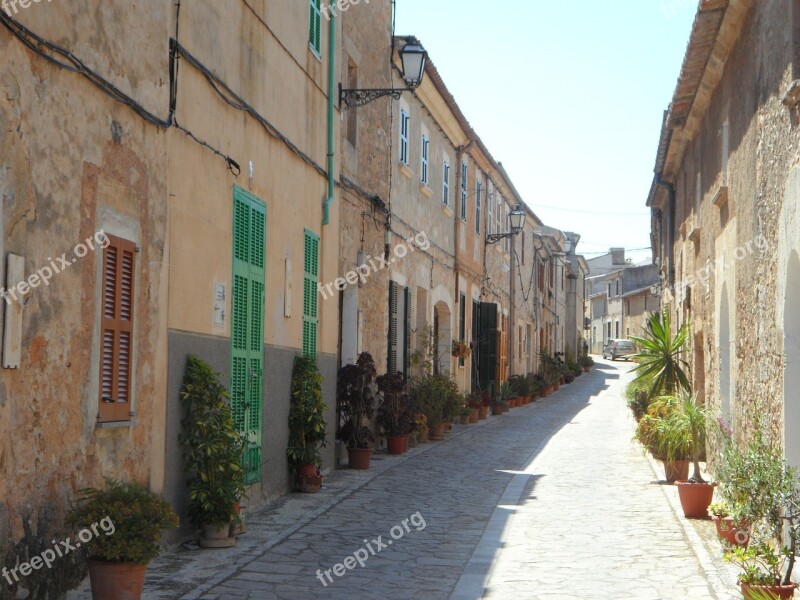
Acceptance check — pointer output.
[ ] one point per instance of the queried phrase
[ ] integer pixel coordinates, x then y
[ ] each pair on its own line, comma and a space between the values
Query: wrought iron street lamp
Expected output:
516, 220
413, 58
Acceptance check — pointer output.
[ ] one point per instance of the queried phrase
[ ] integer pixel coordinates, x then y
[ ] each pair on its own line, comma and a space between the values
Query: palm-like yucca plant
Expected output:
659, 355
686, 423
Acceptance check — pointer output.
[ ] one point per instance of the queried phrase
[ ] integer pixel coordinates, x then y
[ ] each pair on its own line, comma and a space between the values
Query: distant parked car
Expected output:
615, 349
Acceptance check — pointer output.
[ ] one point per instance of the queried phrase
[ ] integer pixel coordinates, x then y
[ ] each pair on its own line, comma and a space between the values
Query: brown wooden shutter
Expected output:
116, 368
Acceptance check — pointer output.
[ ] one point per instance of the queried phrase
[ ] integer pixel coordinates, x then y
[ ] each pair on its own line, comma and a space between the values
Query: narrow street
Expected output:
550, 501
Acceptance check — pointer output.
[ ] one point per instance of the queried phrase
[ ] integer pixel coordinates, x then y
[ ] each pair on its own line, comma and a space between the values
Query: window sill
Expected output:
426, 191
317, 55
694, 235
405, 170
720, 199
116, 424
448, 212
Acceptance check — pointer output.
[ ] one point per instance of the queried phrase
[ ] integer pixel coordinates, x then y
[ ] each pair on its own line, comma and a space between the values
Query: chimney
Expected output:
617, 256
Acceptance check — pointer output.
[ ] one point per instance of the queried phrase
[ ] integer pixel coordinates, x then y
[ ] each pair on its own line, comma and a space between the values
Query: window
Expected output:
617, 282
609, 290
609, 331
424, 169
726, 149
404, 123
446, 184
315, 27
490, 208
616, 329
116, 368
464, 172
310, 279
507, 241
351, 125
478, 190
462, 323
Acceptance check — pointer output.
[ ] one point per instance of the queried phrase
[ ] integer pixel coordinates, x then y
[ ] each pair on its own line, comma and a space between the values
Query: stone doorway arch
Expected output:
791, 350
443, 336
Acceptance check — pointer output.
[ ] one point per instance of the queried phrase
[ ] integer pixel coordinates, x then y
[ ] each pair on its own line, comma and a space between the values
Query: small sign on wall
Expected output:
12, 334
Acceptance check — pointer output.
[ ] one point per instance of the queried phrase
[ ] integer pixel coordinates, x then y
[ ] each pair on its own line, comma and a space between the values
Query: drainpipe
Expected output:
331, 113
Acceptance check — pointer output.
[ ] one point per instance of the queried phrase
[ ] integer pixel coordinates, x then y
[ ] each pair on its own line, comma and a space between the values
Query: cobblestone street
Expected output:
550, 501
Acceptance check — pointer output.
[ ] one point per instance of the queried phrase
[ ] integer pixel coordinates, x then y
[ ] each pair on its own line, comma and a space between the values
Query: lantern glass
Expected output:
517, 219
414, 57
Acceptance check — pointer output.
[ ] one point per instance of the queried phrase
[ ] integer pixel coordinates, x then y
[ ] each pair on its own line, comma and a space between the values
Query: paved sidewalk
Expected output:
552, 500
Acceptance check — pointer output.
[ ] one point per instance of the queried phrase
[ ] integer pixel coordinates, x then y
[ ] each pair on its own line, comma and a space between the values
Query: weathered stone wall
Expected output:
73, 161
732, 256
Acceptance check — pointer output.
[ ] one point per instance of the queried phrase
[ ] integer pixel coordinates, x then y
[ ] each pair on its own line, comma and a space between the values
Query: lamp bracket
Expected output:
355, 98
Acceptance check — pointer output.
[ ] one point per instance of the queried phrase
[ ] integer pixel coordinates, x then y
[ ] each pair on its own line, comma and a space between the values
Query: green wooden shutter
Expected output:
391, 362
406, 332
247, 326
310, 293
315, 27
488, 335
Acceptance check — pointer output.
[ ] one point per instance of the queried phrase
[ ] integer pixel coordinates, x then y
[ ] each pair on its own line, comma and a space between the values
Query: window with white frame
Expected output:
478, 191
464, 173
424, 166
490, 208
446, 183
498, 214
404, 124
507, 241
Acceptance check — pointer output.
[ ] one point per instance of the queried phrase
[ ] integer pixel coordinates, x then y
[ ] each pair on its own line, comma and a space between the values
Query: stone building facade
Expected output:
725, 211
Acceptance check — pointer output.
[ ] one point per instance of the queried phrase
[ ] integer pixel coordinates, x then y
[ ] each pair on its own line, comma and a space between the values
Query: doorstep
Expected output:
701, 537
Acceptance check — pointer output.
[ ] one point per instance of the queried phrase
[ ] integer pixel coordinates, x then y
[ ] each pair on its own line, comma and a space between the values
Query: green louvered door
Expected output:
310, 293
247, 325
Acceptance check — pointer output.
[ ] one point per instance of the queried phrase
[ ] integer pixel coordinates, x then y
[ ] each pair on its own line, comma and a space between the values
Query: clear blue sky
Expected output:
569, 96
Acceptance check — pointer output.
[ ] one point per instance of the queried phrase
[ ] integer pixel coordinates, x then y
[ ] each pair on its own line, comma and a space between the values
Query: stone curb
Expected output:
716, 583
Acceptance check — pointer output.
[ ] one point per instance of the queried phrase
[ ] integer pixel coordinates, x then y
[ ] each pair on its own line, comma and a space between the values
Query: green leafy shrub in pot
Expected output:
395, 413
355, 398
212, 447
683, 431
437, 397
132, 519
307, 426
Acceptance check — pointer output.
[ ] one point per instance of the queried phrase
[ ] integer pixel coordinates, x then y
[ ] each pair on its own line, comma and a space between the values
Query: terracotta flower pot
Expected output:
422, 435
217, 536
736, 534
474, 416
358, 458
587, 369
309, 484
395, 445
437, 433
116, 580
695, 498
307, 470
676, 470
779, 592
497, 410
483, 413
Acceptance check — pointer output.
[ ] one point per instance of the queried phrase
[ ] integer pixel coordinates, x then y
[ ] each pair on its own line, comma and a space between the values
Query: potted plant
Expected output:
587, 362
684, 428
650, 432
730, 530
394, 413
505, 392
131, 518
355, 398
461, 349
762, 571
307, 426
421, 425
766, 492
520, 383
659, 357
436, 396
212, 451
